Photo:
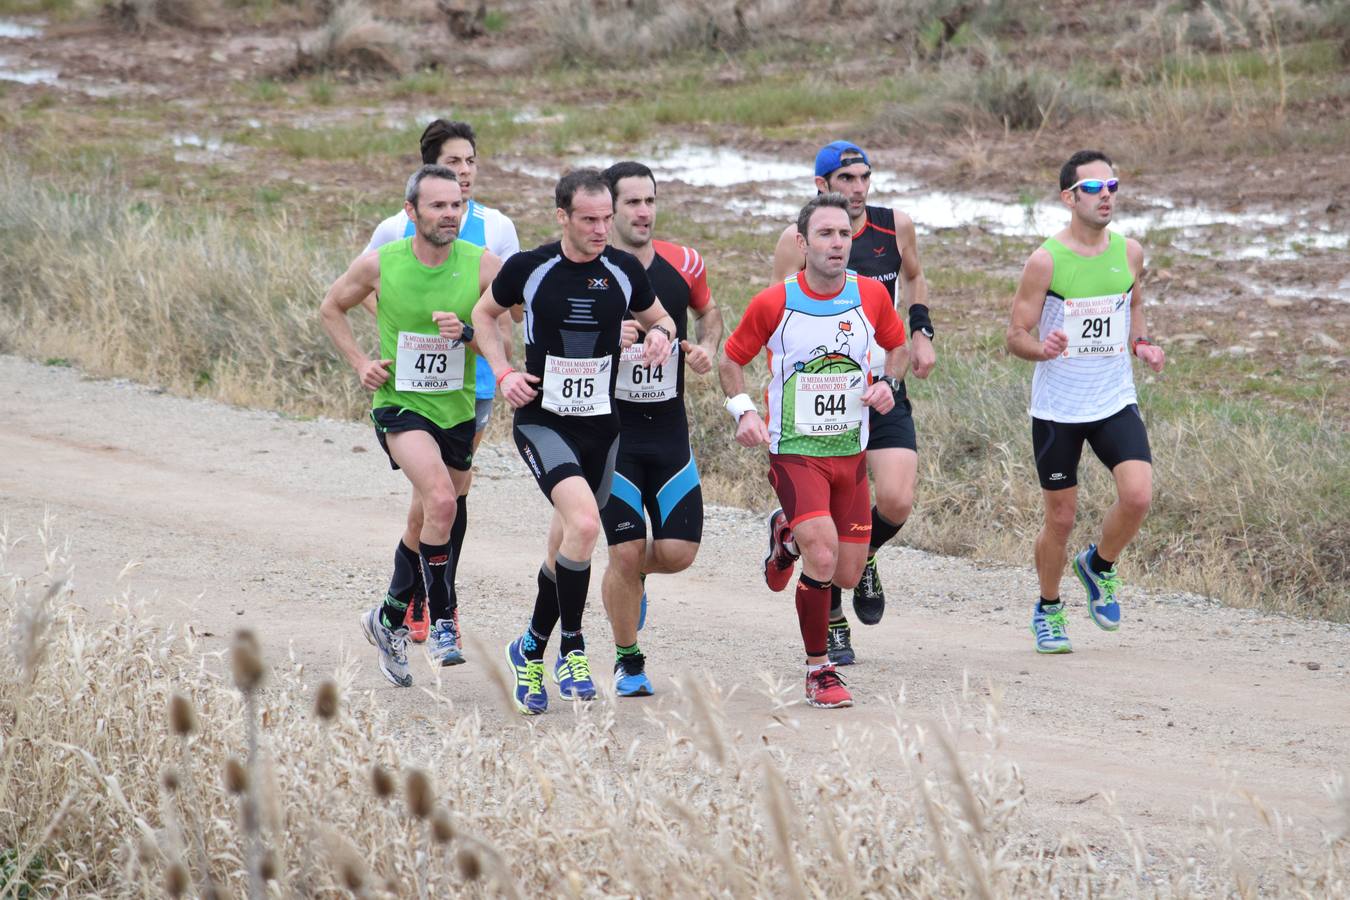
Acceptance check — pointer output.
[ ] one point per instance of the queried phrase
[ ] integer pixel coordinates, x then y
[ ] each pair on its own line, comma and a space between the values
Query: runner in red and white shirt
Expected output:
818, 328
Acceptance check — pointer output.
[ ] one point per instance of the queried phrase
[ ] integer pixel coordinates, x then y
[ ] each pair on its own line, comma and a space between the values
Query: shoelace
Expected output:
828, 678
579, 665
1053, 624
534, 676
633, 663
1109, 582
398, 647
868, 586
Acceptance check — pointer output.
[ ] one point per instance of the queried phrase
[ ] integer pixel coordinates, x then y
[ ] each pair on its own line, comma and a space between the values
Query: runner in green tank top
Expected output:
1080, 292
423, 381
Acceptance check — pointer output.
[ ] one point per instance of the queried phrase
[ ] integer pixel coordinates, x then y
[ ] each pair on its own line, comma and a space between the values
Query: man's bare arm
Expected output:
787, 258
1026, 312
352, 287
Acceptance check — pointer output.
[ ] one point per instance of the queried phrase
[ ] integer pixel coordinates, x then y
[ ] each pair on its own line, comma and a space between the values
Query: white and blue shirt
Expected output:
481, 226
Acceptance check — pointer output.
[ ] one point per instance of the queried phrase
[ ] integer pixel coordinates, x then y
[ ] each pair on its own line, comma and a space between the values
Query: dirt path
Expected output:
243, 518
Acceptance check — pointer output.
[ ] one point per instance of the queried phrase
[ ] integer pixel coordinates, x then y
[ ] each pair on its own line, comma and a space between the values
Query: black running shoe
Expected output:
869, 600
839, 645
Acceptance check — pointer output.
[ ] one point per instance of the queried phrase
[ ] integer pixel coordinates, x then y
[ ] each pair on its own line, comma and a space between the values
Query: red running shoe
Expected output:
824, 688
416, 620
779, 561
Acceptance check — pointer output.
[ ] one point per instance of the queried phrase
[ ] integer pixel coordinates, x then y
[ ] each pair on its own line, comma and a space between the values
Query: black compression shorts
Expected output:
656, 472
456, 442
555, 450
1059, 445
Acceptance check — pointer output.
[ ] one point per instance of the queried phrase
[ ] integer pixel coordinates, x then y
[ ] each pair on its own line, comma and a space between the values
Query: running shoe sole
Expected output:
840, 705
775, 577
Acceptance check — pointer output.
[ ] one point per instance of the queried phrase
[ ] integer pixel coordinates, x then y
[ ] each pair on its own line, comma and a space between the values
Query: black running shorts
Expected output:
895, 429
1059, 445
456, 442
554, 451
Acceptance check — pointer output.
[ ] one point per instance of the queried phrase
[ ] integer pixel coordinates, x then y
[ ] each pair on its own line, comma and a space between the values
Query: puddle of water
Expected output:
769, 190
26, 76
17, 30
197, 141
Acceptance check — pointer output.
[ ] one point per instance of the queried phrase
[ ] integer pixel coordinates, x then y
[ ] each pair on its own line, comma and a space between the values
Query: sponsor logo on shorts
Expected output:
860, 528
1056, 476
534, 463
624, 526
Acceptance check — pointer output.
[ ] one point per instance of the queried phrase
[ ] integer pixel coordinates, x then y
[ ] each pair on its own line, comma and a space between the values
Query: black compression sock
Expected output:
456, 544
1044, 603
1099, 565
882, 532
407, 578
836, 603
436, 574
574, 581
545, 616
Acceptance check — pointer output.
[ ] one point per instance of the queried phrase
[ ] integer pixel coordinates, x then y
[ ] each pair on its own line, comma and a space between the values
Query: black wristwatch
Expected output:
466, 336
925, 330
891, 381
664, 330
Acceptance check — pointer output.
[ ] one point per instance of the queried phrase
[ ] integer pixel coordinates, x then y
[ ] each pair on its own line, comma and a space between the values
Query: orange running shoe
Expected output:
417, 621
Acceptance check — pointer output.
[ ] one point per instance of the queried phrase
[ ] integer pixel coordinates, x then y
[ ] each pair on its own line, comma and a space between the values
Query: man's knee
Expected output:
582, 527
438, 506
1059, 517
1135, 500
895, 502
627, 557
674, 556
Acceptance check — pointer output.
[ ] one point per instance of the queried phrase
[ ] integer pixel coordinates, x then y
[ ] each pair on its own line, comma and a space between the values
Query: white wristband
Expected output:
739, 405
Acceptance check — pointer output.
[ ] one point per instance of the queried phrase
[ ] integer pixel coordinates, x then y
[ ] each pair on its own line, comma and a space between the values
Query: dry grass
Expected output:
264, 774
207, 307
352, 40
617, 31
142, 15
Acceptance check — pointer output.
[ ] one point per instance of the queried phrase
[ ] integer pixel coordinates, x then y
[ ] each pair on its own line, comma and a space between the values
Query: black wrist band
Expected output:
466, 336
918, 319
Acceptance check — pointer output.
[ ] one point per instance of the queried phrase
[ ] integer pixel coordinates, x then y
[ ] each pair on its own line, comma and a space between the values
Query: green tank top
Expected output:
1077, 276
431, 377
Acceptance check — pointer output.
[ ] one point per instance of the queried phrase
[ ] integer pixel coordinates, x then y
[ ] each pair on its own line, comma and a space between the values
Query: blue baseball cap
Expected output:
838, 154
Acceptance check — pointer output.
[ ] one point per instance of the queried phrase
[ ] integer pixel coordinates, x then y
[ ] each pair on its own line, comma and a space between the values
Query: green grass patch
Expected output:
266, 90
363, 141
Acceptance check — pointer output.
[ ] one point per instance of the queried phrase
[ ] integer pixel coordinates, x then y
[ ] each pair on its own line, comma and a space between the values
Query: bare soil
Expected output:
237, 518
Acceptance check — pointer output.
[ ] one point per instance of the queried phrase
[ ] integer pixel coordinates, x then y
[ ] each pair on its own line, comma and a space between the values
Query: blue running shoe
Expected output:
392, 644
1051, 629
445, 641
529, 674
573, 675
630, 676
1101, 591
642, 609
839, 644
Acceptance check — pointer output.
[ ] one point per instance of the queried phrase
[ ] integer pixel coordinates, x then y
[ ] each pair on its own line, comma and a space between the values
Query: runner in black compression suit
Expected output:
575, 294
